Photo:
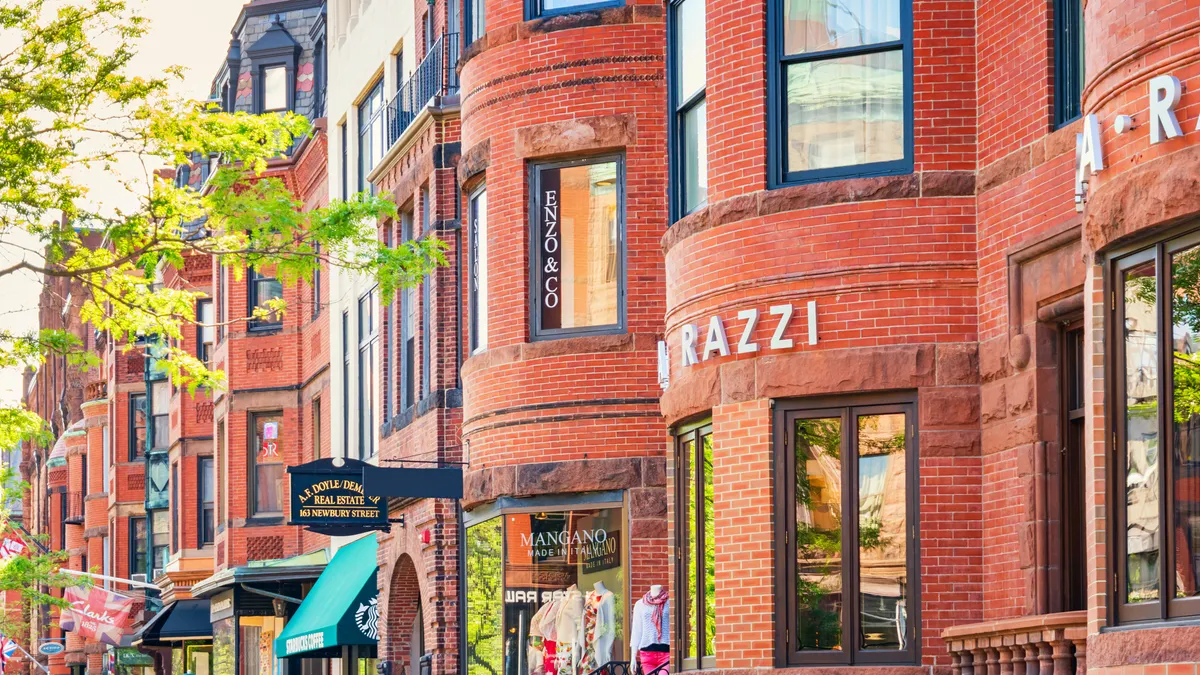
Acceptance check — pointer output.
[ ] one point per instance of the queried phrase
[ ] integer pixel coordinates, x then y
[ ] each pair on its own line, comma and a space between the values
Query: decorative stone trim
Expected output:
584, 475
1044, 644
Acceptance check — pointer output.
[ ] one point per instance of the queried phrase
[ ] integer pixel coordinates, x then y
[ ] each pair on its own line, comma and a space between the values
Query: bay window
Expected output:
1156, 325
578, 239
847, 563
840, 89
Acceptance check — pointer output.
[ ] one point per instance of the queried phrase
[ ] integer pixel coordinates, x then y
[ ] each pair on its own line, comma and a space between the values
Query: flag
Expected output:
96, 614
8, 649
12, 546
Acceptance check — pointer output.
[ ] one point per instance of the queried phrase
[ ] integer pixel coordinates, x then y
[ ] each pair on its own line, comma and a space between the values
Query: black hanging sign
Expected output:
425, 483
329, 499
550, 235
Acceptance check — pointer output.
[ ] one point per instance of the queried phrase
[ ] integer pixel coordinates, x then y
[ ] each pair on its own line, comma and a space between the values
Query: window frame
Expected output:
777, 62
203, 537
677, 114
474, 20
205, 355
133, 542
406, 363
694, 432
1069, 58
260, 68
1167, 608
251, 435
477, 271
536, 332
253, 278
221, 461
534, 10
848, 408
367, 125
368, 347
137, 454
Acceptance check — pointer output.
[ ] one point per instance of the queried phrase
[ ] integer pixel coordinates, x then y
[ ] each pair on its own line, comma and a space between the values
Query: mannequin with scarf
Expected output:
650, 633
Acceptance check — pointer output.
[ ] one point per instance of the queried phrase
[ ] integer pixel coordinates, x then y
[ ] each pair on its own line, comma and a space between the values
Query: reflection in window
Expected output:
562, 607
850, 575
274, 88
690, 126
485, 599
1141, 431
841, 94
698, 555
267, 460
578, 242
264, 289
1185, 378
137, 431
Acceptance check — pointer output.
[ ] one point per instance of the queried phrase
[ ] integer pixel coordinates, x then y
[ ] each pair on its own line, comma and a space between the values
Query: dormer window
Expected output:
275, 98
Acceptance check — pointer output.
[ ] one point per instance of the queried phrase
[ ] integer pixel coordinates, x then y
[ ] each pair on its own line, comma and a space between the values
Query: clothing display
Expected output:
599, 629
651, 621
653, 660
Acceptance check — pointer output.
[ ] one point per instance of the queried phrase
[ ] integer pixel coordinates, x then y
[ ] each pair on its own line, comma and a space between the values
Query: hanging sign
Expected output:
329, 499
551, 239
51, 648
96, 614
432, 483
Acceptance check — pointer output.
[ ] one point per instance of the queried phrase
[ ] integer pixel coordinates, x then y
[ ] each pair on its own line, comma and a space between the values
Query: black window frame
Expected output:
694, 432
222, 302
345, 137
1069, 64
407, 362
316, 426
476, 305
206, 512
316, 284
426, 326
536, 332
137, 451
176, 507
253, 279
848, 408
1167, 608
534, 10
202, 353
777, 62
259, 71
679, 109
133, 546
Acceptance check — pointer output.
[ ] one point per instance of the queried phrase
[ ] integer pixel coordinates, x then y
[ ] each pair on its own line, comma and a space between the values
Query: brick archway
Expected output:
404, 604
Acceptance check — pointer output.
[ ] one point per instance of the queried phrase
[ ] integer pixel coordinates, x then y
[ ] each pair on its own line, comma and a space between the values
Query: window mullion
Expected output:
699, 554
1166, 437
841, 52
849, 535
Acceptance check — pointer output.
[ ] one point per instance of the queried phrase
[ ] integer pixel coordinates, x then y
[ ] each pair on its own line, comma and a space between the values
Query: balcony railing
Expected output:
1047, 644
95, 391
437, 75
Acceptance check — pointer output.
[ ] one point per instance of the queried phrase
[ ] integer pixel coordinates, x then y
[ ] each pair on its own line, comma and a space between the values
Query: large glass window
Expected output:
840, 89
476, 20
697, 555
408, 330
370, 133
160, 415
1157, 316
479, 277
368, 359
578, 248
536, 8
137, 426
1068, 60
264, 289
689, 125
137, 549
558, 596
847, 560
267, 462
221, 469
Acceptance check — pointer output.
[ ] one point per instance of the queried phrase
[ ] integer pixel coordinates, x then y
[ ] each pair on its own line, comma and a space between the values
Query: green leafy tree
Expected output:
70, 109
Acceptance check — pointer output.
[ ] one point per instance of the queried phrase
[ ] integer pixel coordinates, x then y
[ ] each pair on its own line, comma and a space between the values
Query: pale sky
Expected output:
190, 33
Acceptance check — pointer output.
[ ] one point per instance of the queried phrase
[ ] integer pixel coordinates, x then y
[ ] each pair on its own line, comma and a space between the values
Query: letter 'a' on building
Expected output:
578, 250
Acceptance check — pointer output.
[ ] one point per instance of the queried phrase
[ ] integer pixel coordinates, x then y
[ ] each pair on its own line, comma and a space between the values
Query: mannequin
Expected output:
650, 632
599, 628
568, 627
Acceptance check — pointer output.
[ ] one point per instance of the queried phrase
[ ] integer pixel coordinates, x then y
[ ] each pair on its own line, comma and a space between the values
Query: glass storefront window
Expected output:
562, 607
256, 646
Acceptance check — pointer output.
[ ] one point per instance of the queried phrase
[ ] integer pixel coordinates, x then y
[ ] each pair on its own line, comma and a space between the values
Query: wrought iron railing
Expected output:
74, 511
437, 75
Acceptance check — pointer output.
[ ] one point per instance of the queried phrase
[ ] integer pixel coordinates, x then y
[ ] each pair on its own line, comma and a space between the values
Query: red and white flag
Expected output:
97, 614
12, 546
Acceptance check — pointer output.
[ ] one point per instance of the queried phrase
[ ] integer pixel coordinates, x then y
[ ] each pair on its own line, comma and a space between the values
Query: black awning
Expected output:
181, 620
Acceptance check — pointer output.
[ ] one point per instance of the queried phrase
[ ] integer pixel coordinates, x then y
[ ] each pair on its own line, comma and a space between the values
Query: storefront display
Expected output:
561, 610
650, 633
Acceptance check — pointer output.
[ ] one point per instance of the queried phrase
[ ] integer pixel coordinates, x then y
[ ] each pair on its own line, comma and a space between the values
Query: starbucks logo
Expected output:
367, 618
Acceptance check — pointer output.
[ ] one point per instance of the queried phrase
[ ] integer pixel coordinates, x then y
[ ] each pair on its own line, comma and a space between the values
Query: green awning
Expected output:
341, 609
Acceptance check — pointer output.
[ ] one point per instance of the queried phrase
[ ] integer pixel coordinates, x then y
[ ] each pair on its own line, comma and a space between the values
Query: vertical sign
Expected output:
549, 205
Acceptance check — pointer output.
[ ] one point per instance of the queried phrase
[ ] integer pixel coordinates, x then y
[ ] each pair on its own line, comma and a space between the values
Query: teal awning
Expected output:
341, 609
